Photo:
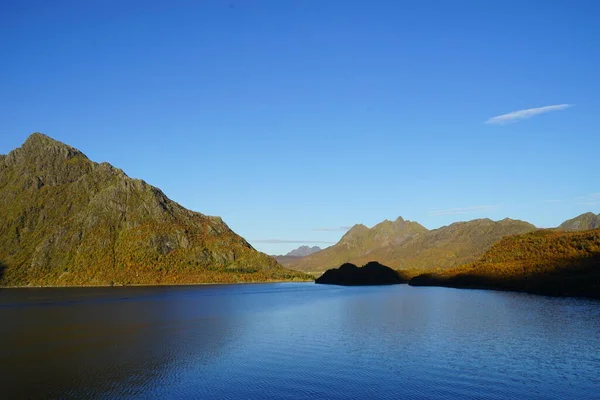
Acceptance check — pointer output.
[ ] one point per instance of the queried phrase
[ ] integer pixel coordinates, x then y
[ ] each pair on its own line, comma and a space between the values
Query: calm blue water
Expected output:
296, 341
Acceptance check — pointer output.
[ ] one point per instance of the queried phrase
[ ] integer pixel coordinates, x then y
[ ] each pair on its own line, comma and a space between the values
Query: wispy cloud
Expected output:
523, 114
591, 199
276, 241
463, 210
339, 228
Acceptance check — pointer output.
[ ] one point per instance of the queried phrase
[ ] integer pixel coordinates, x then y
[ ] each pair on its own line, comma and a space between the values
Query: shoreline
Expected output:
148, 285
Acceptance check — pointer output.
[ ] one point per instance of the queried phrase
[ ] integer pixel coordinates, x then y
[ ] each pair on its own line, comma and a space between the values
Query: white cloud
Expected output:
464, 210
523, 114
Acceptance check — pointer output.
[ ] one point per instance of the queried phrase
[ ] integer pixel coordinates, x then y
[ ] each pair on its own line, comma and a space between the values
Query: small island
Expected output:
371, 273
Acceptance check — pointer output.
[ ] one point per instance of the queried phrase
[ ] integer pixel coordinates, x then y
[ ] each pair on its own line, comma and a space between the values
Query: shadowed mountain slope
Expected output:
66, 220
542, 262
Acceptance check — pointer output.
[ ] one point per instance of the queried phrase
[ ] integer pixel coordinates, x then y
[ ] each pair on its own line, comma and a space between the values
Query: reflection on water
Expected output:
296, 341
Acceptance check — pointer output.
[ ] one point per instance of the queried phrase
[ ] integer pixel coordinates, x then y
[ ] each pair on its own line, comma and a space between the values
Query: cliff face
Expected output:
69, 221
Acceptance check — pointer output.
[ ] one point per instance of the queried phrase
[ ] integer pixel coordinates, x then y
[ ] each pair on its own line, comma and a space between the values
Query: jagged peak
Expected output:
39, 144
37, 140
40, 137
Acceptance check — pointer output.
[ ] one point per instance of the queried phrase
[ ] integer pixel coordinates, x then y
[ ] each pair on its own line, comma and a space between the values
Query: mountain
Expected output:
543, 262
303, 251
295, 254
65, 220
448, 246
359, 241
423, 250
584, 222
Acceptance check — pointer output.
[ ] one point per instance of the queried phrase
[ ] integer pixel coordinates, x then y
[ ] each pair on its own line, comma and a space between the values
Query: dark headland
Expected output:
371, 273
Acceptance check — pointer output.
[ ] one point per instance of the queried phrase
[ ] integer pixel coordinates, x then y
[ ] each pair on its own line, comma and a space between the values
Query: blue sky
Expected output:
294, 119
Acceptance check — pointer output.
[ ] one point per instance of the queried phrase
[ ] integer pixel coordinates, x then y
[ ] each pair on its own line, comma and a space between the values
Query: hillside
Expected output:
359, 241
66, 220
448, 246
583, 222
543, 262
423, 250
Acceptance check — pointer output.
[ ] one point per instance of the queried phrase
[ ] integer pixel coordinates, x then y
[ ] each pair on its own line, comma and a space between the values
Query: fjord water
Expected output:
296, 341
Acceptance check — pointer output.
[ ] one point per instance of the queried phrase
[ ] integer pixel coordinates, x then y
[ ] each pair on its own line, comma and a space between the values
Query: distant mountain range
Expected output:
303, 251
65, 220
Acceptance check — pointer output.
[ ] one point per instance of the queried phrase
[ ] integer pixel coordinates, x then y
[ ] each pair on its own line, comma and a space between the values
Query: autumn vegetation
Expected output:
69, 221
545, 261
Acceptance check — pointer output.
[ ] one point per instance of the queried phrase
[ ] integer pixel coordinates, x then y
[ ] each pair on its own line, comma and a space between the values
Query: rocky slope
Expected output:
583, 222
65, 220
542, 262
359, 241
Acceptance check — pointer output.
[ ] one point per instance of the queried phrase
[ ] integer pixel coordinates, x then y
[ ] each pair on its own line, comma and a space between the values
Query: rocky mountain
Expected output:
582, 222
448, 246
422, 250
543, 262
65, 220
303, 251
358, 242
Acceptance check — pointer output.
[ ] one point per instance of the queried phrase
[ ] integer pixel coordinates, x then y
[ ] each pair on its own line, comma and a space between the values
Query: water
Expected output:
296, 341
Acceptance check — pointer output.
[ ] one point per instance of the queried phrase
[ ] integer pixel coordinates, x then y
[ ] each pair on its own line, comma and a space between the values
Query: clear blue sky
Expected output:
289, 117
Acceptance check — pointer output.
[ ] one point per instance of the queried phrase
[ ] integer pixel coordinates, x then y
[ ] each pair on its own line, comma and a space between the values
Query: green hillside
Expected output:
66, 220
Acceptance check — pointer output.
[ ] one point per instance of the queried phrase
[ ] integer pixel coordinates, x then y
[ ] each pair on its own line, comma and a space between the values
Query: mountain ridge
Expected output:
583, 222
356, 242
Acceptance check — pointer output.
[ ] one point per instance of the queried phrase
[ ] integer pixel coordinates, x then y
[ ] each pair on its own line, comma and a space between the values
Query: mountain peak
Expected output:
39, 137
38, 145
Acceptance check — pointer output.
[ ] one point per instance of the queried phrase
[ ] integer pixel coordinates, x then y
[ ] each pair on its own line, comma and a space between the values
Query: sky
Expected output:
295, 119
